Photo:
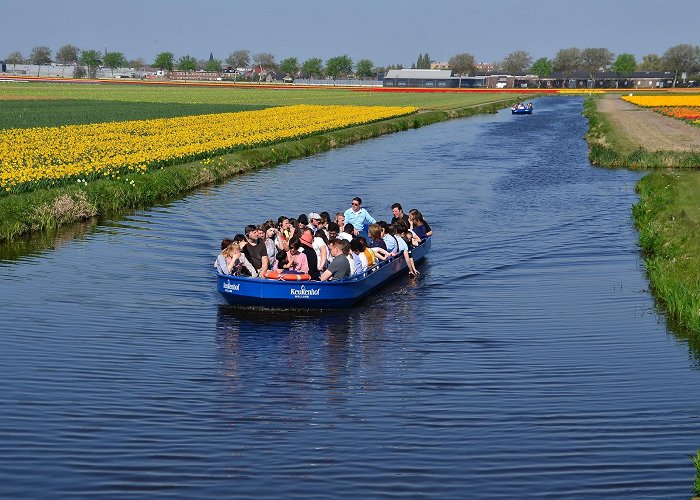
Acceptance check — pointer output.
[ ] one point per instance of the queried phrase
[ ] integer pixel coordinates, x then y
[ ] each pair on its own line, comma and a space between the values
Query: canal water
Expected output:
527, 361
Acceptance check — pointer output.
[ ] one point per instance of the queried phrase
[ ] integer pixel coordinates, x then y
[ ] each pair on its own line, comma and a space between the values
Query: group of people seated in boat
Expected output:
521, 105
314, 247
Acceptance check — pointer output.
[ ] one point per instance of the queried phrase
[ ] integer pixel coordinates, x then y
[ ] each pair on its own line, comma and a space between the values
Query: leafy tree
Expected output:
681, 58
239, 59
93, 60
542, 68
625, 64
312, 67
339, 66
265, 61
516, 63
364, 68
650, 62
68, 54
114, 60
187, 63
165, 61
289, 66
594, 59
423, 61
15, 58
40, 56
567, 61
213, 65
462, 64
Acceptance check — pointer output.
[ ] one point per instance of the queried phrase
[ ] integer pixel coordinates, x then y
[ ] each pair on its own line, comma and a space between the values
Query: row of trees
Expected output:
69, 55
311, 68
683, 58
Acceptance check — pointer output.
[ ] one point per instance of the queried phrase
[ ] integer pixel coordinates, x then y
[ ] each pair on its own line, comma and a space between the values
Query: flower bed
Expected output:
44, 157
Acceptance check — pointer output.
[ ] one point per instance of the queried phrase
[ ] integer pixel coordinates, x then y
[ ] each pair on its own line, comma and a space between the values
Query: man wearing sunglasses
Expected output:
358, 217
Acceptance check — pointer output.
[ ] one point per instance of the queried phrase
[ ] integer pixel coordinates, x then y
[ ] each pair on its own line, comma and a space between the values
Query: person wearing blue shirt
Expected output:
358, 216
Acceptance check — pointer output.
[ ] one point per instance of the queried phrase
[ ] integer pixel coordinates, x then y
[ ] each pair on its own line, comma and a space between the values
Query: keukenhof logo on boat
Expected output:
232, 287
304, 293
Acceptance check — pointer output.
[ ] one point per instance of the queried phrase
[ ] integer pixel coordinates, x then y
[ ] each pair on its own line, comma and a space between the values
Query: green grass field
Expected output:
41, 104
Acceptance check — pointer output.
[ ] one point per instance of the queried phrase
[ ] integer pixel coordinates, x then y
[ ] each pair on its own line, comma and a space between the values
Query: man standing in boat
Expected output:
358, 216
256, 251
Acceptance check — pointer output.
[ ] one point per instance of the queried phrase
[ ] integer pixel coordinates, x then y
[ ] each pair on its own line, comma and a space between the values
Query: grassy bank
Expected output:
667, 215
45, 209
608, 148
668, 219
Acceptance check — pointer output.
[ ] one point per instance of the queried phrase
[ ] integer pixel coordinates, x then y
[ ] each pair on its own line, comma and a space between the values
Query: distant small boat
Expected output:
521, 109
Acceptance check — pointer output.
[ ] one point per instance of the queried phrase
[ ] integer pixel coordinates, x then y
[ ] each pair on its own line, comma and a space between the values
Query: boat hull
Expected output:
246, 291
521, 111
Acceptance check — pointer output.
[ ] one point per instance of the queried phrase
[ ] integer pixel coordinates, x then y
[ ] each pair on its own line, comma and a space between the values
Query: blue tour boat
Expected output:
247, 291
521, 109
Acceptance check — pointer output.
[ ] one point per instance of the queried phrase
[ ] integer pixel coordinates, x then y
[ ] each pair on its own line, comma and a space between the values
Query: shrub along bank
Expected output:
667, 215
46, 209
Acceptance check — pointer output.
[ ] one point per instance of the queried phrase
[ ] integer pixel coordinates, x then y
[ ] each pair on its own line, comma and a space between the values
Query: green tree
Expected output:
423, 61
213, 65
364, 68
681, 58
567, 61
14, 58
625, 64
114, 60
339, 66
165, 61
187, 63
239, 59
93, 60
290, 66
650, 62
40, 56
542, 68
595, 59
312, 68
68, 54
462, 64
517, 63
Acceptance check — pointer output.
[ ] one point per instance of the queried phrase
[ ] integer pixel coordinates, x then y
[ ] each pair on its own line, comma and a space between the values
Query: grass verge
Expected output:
668, 220
46, 209
667, 216
606, 148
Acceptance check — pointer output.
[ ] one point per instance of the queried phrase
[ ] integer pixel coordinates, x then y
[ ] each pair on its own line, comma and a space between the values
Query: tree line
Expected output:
683, 58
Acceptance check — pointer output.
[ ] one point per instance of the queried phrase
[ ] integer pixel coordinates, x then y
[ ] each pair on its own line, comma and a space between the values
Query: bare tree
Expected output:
15, 58
462, 64
68, 54
239, 59
595, 59
40, 56
681, 58
265, 61
517, 63
567, 61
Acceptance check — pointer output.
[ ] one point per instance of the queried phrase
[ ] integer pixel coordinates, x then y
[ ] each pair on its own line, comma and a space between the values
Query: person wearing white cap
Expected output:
314, 221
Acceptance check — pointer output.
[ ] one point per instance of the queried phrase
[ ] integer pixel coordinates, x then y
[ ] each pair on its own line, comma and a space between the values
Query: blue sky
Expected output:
385, 31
